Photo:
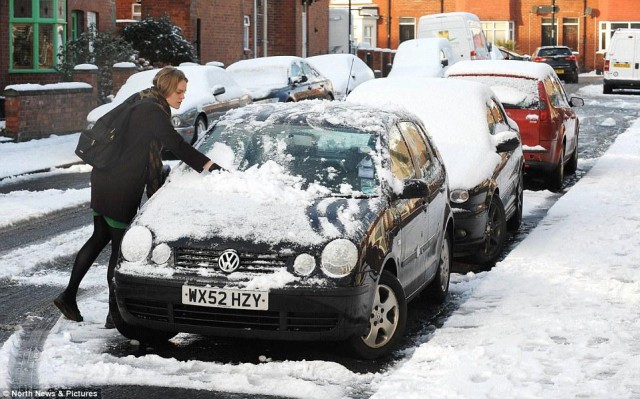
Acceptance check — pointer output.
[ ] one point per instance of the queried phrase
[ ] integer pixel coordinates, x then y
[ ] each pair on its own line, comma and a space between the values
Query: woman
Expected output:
116, 193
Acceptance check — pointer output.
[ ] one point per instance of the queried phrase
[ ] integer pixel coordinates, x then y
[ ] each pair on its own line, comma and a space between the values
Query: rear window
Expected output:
513, 92
549, 52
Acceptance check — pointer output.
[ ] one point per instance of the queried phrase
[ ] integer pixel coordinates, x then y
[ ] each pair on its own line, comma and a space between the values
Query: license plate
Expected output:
225, 298
622, 65
559, 70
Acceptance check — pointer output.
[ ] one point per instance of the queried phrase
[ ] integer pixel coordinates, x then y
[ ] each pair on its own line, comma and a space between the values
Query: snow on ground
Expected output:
56, 152
557, 318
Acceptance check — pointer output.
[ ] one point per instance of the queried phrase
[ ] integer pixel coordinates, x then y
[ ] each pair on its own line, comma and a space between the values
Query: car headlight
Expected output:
459, 196
136, 244
339, 257
90, 125
304, 264
161, 254
176, 121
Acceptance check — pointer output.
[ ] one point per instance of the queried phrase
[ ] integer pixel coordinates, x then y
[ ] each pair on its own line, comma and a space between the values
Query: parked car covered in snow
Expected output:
422, 58
211, 92
346, 71
481, 150
534, 97
281, 79
329, 219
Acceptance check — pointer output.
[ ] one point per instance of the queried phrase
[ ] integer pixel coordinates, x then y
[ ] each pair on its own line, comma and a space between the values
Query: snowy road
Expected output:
41, 350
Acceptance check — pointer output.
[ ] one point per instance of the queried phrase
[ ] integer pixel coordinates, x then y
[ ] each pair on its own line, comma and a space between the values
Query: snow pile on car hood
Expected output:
262, 204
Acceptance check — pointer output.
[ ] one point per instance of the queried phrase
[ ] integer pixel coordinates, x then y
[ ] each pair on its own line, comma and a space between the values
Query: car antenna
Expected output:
346, 91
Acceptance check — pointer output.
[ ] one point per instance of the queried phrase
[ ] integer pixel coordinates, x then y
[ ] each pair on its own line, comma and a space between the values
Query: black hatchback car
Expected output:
561, 59
329, 219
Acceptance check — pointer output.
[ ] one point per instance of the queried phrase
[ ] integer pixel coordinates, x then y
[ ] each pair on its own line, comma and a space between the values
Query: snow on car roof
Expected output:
454, 113
527, 69
339, 67
260, 75
201, 79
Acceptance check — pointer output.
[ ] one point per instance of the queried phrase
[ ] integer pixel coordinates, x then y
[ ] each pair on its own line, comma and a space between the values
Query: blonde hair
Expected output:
167, 79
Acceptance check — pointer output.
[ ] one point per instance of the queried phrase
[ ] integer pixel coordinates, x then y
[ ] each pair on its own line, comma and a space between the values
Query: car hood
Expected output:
253, 206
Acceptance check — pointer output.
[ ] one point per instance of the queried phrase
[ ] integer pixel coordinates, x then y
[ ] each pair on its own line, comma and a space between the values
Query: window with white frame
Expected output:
245, 32
607, 29
407, 28
136, 11
498, 31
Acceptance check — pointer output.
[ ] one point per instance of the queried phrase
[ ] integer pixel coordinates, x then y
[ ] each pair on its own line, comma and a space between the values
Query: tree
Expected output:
102, 49
159, 41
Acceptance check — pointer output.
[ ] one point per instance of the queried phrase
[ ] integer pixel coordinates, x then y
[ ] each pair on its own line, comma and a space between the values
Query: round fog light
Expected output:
161, 254
304, 264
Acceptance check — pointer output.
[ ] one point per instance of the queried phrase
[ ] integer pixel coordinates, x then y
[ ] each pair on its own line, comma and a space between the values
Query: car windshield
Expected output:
550, 52
338, 159
513, 92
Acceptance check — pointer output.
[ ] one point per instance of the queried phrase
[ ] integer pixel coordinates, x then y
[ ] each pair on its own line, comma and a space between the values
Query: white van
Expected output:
622, 62
462, 29
422, 57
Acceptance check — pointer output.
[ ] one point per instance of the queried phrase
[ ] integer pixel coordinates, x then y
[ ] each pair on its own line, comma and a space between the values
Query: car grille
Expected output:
232, 318
192, 258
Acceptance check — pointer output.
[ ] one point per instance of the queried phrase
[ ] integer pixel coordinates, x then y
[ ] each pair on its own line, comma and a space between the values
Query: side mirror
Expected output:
576, 102
299, 79
218, 89
414, 188
445, 63
506, 141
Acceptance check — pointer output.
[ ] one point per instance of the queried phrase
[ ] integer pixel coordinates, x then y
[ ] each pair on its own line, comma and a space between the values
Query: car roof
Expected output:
273, 61
319, 113
522, 69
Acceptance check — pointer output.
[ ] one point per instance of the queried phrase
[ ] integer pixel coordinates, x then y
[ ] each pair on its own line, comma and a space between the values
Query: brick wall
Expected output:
4, 44
104, 9
36, 113
120, 76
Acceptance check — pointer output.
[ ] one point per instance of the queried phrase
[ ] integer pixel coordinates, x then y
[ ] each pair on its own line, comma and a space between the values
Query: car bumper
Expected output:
469, 230
623, 83
542, 158
301, 314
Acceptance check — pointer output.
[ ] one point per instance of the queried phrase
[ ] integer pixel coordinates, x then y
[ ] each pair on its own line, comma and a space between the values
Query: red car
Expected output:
534, 97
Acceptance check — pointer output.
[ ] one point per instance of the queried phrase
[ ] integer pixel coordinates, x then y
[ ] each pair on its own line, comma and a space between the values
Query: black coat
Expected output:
117, 192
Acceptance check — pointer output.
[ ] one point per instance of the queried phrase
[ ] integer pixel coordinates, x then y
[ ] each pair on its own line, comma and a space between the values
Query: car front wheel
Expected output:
387, 321
494, 234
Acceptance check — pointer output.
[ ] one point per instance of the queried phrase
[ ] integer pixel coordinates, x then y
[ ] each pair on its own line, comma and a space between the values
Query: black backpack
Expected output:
101, 145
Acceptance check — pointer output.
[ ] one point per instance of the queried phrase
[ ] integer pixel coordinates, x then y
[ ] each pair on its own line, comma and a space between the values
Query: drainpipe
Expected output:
304, 30
255, 28
584, 34
265, 42
389, 24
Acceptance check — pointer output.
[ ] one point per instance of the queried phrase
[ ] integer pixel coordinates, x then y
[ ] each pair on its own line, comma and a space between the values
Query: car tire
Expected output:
572, 165
198, 128
555, 179
438, 289
495, 234
141, 334
514, 222
387, 322
607, 89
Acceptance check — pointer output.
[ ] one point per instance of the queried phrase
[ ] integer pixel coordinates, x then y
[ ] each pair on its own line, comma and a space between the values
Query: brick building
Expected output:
584, 25
32, 31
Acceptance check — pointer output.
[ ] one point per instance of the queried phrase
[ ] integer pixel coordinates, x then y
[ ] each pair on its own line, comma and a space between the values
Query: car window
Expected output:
401, 164
498, 116
295, 70
419, 148
491, 122
563, 101
310, 72
513, 92
555, 96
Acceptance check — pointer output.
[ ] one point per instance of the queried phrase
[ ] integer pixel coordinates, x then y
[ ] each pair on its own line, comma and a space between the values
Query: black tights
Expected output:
102, 234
